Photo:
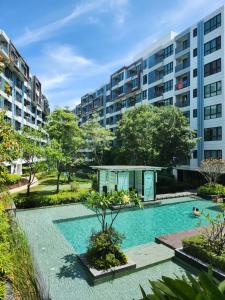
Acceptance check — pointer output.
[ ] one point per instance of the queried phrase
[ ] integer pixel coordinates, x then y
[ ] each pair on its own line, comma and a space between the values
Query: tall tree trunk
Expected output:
29, 183
58, 178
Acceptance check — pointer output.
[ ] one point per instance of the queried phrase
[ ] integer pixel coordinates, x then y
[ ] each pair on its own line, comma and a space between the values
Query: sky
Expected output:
74, 45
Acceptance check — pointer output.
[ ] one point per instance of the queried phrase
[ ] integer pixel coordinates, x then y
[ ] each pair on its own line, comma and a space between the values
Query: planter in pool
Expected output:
99, 276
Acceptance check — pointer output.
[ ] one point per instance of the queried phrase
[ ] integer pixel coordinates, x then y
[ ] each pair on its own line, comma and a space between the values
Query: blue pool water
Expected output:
140, 226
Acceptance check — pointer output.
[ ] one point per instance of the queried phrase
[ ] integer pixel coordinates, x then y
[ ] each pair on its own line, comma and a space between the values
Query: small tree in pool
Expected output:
104, 246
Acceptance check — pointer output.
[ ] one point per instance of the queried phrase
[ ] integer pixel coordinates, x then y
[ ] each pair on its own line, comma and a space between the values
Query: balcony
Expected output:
183, 102
182, 47
182, 66
182, 84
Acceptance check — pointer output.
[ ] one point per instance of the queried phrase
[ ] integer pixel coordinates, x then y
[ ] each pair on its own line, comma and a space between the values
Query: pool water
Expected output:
139, 226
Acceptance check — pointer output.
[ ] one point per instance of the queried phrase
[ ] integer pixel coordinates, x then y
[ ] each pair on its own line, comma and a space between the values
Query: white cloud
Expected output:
43, 32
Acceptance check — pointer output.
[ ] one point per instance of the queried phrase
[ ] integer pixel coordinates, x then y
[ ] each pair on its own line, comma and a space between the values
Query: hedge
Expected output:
37, 199
11, 178
196, 246
212, 189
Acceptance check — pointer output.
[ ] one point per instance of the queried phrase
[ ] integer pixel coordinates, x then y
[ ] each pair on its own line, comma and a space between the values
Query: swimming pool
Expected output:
140, 226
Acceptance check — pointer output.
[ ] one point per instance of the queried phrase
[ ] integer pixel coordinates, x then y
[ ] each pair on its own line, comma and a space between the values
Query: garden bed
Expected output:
198, 263
99, 276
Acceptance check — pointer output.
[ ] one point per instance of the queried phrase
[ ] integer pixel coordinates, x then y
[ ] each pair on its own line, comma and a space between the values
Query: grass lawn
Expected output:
44, 193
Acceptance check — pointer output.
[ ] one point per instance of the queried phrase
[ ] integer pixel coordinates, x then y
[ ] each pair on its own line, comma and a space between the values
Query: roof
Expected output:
127, 168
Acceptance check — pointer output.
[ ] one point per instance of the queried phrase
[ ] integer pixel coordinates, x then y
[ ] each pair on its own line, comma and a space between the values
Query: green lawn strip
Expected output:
44, 194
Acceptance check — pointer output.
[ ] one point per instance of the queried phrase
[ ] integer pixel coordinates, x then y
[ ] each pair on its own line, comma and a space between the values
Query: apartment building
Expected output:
185, 70
20, 92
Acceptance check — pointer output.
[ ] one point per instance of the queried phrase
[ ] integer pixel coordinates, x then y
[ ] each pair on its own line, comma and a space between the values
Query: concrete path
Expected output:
21, 188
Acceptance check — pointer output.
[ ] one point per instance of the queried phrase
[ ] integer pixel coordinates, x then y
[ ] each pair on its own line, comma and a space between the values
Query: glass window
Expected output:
195, 73
168, 51
195, 52
195, 93
213, 154
195, 154
213, 111
213, 134
145, 79
194, 113
168, 68
212, 89
212, 67
144, 94
195, 32
212, 24
212, 45
168, 86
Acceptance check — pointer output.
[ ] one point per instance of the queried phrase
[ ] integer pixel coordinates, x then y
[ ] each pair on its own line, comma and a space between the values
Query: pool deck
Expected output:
57, 264
174, 240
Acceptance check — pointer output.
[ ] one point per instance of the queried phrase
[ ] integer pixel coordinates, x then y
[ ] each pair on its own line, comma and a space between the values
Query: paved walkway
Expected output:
23, 187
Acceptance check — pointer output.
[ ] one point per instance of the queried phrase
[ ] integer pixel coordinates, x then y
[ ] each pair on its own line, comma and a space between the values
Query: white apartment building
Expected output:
20, 92
185, 70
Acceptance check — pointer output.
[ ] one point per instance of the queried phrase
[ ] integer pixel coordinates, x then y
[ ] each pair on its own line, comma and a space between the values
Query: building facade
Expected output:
20, 92
185, 70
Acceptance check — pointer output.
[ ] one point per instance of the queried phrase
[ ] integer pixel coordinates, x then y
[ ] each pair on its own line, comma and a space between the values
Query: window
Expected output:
108, 98
144, 94
134, 83
145, 62
212, 24
213, 112
195, 154
195, 52
195, 32
213, 154
168, 68
194, 113
212, 68
212, 89
212, 45
213, 134
195, 93
168, 86
165, 102
145, 79
168, 51
195, 73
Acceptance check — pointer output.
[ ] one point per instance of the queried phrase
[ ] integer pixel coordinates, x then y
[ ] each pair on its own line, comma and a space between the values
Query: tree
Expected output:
9, 144
32, 152
153, 135
211, 169
98, 139
66, 141
9, 151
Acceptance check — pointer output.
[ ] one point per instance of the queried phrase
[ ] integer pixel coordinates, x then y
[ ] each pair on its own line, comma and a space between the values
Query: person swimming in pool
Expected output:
196, 211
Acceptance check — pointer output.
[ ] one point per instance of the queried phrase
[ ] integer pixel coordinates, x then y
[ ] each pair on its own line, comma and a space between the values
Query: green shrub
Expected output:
188, 287
11, 178
212, 189
37, 199
74, 186
94, 184
104, 250
197, 247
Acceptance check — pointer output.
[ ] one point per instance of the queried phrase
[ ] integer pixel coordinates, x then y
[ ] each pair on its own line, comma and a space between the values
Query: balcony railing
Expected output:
182, 84
182, 47
183, 103
182, 66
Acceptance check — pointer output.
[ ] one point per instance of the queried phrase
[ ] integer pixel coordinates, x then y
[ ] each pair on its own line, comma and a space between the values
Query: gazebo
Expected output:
140, 178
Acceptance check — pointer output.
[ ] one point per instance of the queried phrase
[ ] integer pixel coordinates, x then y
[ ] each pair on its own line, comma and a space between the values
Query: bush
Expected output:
11, 178
104, 250
197, 247
36, 199
211, 189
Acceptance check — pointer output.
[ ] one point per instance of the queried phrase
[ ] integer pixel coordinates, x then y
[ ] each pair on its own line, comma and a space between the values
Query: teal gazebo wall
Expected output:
143, 181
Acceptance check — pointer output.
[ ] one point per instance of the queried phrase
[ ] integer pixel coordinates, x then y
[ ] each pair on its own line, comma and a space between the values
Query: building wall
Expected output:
175, 67
20, 92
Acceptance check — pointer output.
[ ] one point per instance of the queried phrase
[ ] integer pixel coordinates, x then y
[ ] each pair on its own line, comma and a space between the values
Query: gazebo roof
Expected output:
127, 168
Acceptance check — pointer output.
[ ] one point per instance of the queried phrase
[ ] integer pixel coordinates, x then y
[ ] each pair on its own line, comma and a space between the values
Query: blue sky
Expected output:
73, 46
